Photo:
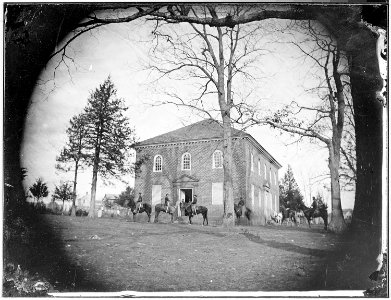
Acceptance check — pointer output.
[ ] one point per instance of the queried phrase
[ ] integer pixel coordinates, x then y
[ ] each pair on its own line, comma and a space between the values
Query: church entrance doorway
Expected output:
186, 195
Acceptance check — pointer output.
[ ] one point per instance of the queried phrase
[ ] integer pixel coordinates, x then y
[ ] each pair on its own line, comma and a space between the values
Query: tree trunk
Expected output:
91, 214
229, 217
73, 210
337, 223
365, 79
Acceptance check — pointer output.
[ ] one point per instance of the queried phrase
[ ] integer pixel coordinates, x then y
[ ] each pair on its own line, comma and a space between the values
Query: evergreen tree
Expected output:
290, 195
109, 136
74, 153
126, 197
39, 189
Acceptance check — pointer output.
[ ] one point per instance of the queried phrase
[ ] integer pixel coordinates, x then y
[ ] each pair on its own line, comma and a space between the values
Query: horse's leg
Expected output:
134, 217
156, 216
309, 221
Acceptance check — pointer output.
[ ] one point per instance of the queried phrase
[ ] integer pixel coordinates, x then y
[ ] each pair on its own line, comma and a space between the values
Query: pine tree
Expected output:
74, 153
290, 195
109, 136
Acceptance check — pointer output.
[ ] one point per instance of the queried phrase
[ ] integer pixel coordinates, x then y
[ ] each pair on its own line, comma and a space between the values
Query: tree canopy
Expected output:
290, 195
39, 189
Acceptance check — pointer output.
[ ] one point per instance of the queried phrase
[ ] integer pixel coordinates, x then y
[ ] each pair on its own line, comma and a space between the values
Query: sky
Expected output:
121, 51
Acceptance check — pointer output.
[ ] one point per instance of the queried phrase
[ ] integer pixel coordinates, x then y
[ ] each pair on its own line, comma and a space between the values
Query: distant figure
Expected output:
100, 212
167, 202
194, 205
139, 202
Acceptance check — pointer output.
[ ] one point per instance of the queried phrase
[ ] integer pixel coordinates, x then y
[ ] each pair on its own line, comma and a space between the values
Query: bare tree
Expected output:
328, 118
357, 38
212, 59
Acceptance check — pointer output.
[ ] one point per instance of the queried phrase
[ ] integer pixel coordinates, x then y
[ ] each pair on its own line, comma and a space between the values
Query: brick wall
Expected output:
256, 177
201, 168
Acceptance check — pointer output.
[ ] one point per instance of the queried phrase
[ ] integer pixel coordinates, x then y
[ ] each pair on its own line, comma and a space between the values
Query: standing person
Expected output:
167, 203
194, 205
139, 202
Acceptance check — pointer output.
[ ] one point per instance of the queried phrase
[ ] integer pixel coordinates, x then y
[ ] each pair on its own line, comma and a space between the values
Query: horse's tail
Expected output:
248, 213
206, 216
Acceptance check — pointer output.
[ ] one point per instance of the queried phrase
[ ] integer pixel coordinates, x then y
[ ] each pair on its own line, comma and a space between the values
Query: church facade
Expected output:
189, 161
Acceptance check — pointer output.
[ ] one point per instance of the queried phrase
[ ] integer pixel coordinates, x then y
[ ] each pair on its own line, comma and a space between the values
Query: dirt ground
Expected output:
110, 254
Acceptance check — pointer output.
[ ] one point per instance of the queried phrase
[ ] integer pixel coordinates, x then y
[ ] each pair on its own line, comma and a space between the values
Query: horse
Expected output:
288, 214
311, 212
199, 210
166, 209
238, 208
145, 207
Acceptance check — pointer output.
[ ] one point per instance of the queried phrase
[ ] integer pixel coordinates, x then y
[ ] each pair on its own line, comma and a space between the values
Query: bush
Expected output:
19, 283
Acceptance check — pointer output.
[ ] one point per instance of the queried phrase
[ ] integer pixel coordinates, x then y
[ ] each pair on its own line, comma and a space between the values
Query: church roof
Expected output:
203, 130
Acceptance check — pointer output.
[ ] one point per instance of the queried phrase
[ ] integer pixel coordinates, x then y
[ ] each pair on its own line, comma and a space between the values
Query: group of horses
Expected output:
239, 208
161, 208
291, 215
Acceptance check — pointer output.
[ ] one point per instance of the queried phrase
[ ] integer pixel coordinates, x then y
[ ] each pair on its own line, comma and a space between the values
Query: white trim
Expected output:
182, 164
214, 162
154, 163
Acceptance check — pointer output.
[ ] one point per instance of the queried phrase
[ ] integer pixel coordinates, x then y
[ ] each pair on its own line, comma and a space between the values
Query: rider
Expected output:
314, 204
194, 205
139, 202
167, 203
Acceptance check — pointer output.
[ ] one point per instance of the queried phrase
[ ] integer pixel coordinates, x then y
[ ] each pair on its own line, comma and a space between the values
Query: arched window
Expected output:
186, 161
157, 163
217, 159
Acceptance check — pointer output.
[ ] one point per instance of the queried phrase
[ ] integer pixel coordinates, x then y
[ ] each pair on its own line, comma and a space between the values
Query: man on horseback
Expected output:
167, 203
194, 205
315, 205
139, 202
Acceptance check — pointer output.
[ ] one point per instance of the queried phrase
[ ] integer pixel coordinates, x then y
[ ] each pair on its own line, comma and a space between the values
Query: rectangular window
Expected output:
252, 196
259, 167
270, 178
265, 172
260, 200
275, 177
252, 162
217, 193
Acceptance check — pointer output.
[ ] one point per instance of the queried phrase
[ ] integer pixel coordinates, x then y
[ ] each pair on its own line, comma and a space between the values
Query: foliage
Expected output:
39, 189
290, 195
19, 283
74, 150
319, 200
109, 137
126, 197
63, 192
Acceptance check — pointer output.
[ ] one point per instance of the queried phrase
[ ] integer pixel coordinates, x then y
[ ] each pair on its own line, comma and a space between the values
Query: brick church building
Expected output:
188, 161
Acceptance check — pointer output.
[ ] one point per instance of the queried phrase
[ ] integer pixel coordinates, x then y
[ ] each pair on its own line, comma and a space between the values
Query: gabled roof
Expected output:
203, 130
110, 196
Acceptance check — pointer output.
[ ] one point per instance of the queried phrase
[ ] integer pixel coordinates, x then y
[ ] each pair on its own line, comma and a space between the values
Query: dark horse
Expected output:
162, 208
145, 207
288, 215
310, 213
199, 210
238, 208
